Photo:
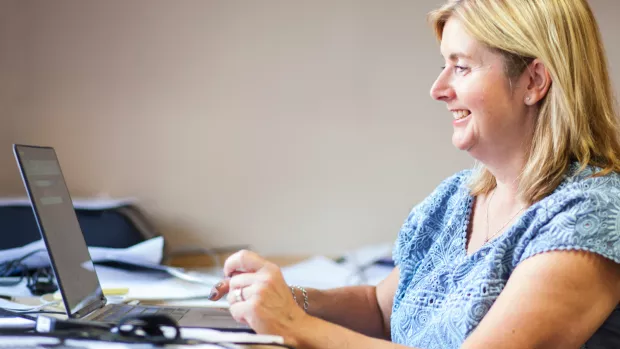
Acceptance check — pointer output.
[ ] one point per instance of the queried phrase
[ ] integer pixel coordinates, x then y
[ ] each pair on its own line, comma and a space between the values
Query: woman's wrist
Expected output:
300, 296
296, 335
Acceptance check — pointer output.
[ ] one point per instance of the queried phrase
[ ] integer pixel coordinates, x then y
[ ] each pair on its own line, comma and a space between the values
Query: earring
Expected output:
527, 100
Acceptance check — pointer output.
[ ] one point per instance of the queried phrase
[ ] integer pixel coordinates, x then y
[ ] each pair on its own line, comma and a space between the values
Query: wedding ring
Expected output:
239, 295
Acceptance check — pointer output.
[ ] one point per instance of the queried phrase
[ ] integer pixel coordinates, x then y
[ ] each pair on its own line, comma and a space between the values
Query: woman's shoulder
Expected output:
583, 213
587, 185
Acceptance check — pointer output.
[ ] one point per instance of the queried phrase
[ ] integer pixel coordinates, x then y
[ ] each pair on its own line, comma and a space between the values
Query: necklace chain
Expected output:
503, 226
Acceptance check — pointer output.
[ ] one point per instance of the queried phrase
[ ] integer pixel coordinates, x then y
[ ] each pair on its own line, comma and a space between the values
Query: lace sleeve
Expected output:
586, 221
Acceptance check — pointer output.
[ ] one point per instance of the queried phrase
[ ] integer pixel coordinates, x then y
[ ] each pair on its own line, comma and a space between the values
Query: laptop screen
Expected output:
59, 227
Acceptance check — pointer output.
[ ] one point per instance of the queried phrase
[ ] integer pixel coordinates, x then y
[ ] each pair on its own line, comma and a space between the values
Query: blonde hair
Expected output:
577, 119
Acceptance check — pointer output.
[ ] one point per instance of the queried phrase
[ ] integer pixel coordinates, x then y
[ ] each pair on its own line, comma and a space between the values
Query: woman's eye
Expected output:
460, 69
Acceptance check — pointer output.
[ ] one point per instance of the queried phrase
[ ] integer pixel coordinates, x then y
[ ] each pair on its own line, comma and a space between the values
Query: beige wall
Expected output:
13, 70
294, 126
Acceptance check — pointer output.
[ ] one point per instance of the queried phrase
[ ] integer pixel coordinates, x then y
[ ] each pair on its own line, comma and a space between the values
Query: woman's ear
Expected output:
539, 81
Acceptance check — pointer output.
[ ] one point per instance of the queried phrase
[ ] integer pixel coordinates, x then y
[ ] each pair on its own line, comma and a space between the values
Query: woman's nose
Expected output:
441, 89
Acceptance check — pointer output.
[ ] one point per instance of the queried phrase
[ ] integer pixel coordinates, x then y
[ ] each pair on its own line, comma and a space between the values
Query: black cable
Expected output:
39, 282
7, 267
12, 313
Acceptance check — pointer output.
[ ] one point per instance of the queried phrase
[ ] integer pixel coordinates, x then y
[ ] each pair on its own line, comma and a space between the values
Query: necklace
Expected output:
503, 226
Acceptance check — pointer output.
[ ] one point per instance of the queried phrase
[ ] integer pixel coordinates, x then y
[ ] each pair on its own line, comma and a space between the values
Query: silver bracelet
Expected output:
304, 293
293, 292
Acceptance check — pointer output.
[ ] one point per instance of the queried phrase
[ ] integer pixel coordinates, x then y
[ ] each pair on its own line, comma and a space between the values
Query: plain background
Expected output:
296, 127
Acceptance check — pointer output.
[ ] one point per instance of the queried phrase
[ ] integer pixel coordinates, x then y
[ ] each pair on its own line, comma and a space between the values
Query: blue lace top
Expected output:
443, 293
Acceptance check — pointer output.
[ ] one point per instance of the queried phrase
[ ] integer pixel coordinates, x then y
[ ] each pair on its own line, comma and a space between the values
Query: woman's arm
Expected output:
260, 298
552, 300
365, 309
314, 333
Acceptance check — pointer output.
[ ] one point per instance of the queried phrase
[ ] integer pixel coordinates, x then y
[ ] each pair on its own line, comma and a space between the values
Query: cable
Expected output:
39, 281
9, 268
11, 313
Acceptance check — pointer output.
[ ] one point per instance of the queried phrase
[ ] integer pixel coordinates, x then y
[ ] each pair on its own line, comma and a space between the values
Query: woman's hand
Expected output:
258, 295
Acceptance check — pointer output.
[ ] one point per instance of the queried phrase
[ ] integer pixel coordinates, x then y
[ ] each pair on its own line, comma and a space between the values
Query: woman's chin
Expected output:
461, 143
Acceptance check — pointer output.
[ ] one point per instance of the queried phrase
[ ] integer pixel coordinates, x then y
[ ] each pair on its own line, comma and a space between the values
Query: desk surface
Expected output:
197, 262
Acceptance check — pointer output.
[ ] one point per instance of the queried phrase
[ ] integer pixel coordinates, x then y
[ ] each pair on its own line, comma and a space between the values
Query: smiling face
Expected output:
490, 117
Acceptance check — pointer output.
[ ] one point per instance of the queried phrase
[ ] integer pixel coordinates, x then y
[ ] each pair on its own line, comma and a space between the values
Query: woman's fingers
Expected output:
240, 311
242, 294
245, 279
243, 261
258, 294
219, 290
236, 267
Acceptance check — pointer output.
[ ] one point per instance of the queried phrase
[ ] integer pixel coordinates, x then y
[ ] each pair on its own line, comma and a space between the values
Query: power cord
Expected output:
16, 266
39, 281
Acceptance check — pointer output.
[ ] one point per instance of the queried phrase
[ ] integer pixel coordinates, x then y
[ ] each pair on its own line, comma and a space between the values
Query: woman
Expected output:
521, 252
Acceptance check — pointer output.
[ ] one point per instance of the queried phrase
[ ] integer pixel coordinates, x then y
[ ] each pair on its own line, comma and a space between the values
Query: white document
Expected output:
317, 272
16, 322
15, 290
97, 203
18, 307
358, 269
214, 336
149, 251
170, 288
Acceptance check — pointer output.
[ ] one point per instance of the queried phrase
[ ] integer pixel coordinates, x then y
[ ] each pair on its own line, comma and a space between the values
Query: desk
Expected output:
197, 263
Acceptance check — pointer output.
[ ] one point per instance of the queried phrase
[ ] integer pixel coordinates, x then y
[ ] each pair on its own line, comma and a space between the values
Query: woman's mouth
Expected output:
460, 114
460, 117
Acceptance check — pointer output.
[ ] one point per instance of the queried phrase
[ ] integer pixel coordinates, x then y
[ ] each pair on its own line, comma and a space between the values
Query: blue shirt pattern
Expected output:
443, 293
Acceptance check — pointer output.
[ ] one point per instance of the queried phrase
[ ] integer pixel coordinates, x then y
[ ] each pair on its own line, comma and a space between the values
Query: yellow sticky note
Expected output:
120, 291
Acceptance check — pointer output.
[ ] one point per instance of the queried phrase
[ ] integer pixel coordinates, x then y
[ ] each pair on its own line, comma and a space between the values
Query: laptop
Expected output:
73, 267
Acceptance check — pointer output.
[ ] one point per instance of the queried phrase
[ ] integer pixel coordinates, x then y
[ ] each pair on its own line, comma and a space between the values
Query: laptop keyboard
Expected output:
115, 312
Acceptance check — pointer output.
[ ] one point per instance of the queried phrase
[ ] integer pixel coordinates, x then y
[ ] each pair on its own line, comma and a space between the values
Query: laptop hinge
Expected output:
89, 309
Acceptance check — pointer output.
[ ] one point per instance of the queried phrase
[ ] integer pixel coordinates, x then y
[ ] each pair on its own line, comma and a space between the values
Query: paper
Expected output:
163, 289
146, 286
15, 322
367, 255
45, 342
15, 290
317, 272
98, 203
18, 307
149, 251
214, 336
358, 269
